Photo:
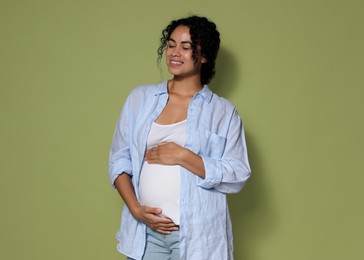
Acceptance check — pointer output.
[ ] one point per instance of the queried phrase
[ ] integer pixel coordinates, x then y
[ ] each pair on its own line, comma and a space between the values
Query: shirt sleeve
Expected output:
229, 173
119, 157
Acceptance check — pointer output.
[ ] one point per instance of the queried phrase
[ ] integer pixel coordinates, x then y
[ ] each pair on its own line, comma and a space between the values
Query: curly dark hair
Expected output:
205, 42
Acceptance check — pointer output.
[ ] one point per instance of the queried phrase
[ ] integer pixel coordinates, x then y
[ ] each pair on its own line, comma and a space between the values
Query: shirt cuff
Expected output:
119, 169
213, 174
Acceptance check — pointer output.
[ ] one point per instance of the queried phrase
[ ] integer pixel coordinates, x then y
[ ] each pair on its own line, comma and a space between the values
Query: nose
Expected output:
176, 52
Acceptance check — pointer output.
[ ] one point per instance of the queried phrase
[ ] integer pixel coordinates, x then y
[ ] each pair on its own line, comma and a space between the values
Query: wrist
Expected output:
135, 210
183, 156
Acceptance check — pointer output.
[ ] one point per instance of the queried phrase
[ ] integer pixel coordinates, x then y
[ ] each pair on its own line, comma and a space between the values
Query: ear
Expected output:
203, 60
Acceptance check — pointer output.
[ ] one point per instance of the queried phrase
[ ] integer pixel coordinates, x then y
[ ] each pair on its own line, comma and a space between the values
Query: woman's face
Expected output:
179, 54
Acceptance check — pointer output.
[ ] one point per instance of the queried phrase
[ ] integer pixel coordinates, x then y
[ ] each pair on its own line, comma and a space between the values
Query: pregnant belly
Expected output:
160, 187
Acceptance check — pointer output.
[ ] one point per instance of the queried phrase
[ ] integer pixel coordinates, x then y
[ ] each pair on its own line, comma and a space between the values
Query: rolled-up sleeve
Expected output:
119, 157
229, 173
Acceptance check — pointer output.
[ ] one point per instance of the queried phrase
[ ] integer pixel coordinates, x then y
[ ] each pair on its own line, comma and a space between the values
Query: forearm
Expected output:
192, 162
126, 190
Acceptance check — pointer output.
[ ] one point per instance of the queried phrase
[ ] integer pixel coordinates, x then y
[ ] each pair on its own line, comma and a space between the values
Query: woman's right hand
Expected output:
148, 215
151, 217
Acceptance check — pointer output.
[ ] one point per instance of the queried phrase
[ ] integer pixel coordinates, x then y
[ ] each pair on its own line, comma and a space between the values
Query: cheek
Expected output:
168, 52
188, 56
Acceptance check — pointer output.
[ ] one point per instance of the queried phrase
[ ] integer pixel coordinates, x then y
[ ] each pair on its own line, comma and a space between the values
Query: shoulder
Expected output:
143, 90
225, 110
222, 103
140, 93
215, 101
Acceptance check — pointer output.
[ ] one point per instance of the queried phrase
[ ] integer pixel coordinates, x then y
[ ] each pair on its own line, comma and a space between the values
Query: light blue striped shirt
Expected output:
215, 132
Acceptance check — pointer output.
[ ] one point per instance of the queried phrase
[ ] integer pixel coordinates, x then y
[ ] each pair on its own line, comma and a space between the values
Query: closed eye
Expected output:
171, 43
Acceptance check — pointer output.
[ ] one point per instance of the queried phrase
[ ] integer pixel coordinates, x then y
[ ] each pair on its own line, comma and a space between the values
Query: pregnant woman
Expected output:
177, 150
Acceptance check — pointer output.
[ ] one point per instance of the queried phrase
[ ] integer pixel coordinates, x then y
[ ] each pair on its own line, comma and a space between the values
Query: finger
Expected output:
153, 216
166, 230
174, 228
153, 210
152, 157
155, 148
163, 143
164, 225
162, 221
150, 154
153, 161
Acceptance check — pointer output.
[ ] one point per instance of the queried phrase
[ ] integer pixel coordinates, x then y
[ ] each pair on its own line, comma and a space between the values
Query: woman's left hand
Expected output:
167, 153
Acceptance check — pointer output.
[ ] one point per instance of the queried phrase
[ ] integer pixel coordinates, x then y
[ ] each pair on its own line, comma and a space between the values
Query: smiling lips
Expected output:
174, 62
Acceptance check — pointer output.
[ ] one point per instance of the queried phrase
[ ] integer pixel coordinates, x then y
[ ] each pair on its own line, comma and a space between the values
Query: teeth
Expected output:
176, 62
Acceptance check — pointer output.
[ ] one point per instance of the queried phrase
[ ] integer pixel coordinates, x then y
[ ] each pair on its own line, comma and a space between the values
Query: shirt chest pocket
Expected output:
211, 144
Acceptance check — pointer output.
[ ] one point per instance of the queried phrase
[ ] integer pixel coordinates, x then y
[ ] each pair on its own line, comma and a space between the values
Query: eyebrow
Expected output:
183, 42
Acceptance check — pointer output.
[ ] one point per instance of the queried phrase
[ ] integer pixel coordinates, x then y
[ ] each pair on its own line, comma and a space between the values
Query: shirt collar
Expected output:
161, 88
205, 92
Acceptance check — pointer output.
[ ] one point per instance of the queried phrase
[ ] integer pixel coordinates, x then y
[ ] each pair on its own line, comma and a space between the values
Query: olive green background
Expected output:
294, 69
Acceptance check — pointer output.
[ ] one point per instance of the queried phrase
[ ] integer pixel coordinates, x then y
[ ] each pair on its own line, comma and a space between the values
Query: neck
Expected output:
185, 87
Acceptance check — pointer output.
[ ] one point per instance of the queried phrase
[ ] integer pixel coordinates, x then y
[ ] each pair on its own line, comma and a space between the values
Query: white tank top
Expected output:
160, 184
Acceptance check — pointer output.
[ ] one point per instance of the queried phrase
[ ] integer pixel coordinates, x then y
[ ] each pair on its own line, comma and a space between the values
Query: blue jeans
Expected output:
161, 247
